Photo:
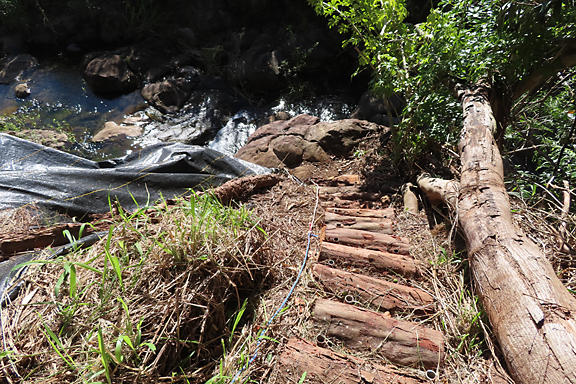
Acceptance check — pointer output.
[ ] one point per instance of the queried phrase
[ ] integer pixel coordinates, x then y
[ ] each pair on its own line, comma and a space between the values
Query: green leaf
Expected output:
128, 342
59, 283
151, 346
104, 356
118, 350
73, 283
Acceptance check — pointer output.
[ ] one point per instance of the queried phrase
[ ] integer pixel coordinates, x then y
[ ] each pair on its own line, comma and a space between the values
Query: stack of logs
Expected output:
359, 239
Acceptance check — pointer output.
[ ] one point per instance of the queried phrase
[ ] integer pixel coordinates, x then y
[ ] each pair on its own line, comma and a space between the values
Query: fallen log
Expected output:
401, 342
370, 240
324, 366
439, 191
344, 255
532, 314
333, 220
363, 196
344, 180
12, 243
338, 203
387, 213
378, 294
235, 188
230, 190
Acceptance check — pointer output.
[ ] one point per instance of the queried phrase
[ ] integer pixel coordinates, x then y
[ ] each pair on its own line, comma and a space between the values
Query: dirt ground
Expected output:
291, 215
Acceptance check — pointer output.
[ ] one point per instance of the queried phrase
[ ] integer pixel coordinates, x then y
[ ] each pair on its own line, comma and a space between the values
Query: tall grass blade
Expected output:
57, 346
105, 357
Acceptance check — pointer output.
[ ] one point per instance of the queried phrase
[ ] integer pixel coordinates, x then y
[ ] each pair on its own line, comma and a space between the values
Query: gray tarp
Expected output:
54, 180
33, 174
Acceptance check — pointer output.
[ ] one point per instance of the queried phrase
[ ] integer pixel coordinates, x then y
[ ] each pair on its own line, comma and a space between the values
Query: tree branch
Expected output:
536, 78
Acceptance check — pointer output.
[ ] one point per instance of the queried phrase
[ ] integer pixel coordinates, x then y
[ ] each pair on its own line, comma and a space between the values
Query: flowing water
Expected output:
61, 100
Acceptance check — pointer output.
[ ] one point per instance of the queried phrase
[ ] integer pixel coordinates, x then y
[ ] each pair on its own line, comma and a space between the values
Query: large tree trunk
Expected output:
531, 312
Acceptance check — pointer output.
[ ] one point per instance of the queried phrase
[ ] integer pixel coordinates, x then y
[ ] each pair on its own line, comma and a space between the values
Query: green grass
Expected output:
150, 299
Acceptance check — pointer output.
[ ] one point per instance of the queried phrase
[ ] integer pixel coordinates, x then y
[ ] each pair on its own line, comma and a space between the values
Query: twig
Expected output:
563, 227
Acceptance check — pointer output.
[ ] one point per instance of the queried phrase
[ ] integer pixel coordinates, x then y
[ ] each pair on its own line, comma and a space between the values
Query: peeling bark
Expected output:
324, 366
373, 224
237, 187
531, 312
387, 213
369, 240
343, 255
401, 342
379, 294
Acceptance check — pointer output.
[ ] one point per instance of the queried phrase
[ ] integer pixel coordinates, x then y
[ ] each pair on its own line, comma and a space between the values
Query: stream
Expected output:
214, 116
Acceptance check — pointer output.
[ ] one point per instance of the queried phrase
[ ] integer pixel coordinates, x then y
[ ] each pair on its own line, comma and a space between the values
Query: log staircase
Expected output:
357, 264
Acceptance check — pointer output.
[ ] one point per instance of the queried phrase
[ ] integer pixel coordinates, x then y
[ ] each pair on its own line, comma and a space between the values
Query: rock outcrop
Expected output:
112, 130
109, 73
168, 96
12, 67
304, 138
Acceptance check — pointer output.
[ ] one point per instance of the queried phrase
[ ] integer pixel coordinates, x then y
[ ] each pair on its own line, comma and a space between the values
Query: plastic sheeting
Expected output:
33, 174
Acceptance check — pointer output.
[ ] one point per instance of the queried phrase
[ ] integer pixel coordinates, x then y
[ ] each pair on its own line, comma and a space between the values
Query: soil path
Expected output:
359, 257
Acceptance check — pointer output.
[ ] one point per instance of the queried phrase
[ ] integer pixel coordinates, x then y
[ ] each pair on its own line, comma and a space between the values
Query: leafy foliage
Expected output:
502, 43
540, 143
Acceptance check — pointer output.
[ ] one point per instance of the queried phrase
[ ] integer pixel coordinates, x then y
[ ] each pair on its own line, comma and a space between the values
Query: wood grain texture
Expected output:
401, 342
531, 312
370, 240
387, 213
378, 294
324, 366
345, 256
372, 224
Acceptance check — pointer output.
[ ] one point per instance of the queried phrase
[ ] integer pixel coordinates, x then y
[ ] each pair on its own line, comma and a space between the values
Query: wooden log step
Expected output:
370, 240
349, 204
401, 342
12, 243
373, 224
379, 294
387, 213
344, 180
364, 196
341, 189
343, 255
324, 366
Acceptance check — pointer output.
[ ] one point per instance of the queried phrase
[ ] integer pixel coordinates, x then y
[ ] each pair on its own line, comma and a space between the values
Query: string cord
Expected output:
281, 307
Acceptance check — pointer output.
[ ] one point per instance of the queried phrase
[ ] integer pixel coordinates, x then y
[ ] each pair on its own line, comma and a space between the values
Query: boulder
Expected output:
45, 137
304, 138
12, 67
111, 130
168, 96
22, 91
108, 74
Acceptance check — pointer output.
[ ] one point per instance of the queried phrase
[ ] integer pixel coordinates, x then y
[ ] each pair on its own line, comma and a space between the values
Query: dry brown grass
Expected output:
188, 306
542, 222
151, 302
19, 220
